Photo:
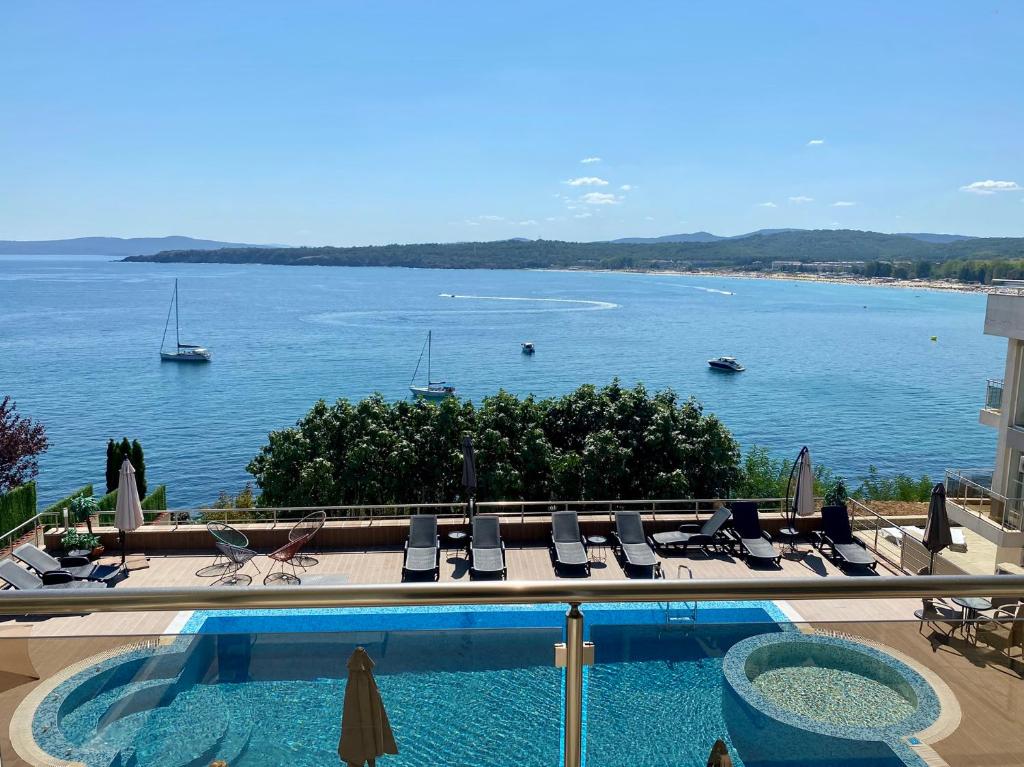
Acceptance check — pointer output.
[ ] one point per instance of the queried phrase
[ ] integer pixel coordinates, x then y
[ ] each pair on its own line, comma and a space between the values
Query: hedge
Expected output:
17, 506
156, 501
109, 501
65, 502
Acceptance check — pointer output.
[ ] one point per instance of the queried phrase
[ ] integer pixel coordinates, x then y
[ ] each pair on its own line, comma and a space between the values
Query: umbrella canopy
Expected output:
719, 755
937, 534
468, 464
128, 515
365, 730
803, 495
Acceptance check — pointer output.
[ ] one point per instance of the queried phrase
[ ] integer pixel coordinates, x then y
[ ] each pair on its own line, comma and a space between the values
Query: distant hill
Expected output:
708, 237
754, 250
111, 246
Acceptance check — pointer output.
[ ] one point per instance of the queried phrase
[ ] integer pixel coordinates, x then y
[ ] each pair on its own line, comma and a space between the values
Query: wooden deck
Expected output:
990, 693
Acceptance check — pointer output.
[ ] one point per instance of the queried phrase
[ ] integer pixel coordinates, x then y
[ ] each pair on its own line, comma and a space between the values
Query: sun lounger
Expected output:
746, 530
633, 546
895, 535
567, 541
81, 568
422, 550
486, 549
710, 534
837, 535
21, 579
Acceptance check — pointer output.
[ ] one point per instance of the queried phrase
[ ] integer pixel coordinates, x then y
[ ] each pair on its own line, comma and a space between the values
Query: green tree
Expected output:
113, 466
923, 269
138, 460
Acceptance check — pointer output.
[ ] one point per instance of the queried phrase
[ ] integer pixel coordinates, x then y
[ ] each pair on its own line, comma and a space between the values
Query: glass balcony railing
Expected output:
971, 490
994, 394
641, 673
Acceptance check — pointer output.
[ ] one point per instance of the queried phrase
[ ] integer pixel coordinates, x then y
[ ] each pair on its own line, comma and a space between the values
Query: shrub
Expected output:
82, 508
65, 503
108, 502
17, 506
157, 500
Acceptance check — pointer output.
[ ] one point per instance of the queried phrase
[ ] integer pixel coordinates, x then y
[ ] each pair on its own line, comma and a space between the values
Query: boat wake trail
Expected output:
703, 290
582, 304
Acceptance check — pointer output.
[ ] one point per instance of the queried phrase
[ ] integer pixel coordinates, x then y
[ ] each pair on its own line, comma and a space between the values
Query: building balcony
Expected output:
993, 407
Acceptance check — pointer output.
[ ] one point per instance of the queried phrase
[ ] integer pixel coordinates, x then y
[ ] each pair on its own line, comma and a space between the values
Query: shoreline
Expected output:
828, 279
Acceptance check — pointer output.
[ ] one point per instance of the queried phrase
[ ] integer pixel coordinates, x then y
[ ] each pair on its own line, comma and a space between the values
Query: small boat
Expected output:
182, 352
726, 363
434, 390
528, 347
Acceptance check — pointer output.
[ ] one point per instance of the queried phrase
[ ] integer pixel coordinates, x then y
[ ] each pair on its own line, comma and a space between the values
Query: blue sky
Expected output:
372, 122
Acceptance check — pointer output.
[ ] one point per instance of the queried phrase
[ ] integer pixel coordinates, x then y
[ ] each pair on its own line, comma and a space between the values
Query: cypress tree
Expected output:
124, 450
112, 466
138, 460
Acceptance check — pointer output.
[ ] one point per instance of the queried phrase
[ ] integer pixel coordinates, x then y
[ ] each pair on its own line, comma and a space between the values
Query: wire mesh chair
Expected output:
233, 553
307, 527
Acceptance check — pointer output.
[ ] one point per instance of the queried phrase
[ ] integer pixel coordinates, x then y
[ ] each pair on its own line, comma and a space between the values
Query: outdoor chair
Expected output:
567, 542
306, 528
81, 568
943, 617
423, 549
755, 543
837, 535
632, 543
486, 549
1003, 629
709, 535
19, 578
233, 554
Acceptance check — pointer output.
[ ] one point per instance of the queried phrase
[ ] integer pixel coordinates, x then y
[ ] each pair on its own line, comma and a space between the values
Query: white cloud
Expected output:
553, 218
528, 222
626, 187
801, 198
816, 142
491, 218
767, 205
590, 160
648, 218
587, 181
583, 215
843, 204
600, 198
991, 187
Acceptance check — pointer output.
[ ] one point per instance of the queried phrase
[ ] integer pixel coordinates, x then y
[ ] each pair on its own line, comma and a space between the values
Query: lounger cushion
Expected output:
76, 585
677, 538
759, 548
421, 560
570, 553
639, 554
488, 560
854, 553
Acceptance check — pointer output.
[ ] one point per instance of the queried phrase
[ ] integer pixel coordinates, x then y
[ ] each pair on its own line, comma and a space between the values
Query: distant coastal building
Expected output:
818, 267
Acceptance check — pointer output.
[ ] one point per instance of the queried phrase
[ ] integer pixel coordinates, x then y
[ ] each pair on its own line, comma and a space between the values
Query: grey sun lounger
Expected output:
837, 535
422, 550
81, 568
567, 541
746, 529
633, 546
21, 579
486, 550
709, 535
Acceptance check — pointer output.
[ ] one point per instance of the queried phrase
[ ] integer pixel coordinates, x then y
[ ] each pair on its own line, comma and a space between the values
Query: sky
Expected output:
347, 123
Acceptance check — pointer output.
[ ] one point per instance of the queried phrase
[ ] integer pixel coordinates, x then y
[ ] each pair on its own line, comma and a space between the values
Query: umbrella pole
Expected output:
124, 550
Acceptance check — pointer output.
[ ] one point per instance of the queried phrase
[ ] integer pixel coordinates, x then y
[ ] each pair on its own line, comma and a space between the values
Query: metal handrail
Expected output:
1010, 517
59, 602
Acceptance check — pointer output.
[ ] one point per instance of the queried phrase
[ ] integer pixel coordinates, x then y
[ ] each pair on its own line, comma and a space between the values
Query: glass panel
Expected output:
480, 696
834, 694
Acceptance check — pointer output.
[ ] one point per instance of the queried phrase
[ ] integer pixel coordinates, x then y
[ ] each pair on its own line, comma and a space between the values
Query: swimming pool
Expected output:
462, 686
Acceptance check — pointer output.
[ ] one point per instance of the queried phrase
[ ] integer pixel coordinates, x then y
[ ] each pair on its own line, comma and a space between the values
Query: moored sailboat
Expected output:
182, 352
434, 390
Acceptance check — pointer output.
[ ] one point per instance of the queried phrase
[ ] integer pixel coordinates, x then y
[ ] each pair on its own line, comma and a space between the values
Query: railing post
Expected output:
573, 686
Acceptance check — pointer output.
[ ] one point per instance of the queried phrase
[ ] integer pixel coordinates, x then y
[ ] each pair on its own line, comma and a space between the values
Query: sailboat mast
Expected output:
429, 378
177, 336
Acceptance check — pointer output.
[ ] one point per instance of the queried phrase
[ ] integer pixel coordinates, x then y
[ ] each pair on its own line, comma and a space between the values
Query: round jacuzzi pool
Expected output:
844, 691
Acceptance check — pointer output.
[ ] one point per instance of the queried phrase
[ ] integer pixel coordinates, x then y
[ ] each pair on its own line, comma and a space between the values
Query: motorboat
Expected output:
726, 363
528, 347
182, 352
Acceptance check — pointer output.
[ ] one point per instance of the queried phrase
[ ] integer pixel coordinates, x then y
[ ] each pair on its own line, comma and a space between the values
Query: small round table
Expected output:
599, 544
788, 537
80, 553
971, 606
459, 539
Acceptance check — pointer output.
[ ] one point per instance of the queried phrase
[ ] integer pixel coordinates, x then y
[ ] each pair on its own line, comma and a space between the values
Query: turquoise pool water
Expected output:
461, 686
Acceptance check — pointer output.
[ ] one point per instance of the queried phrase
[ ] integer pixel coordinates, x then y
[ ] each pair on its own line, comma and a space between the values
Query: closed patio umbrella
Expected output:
128, 514
803, 494
365, 730
937, 534
719, 756
469, 471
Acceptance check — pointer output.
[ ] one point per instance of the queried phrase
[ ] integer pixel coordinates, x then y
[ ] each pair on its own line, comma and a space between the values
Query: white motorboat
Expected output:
726, 363
528, 347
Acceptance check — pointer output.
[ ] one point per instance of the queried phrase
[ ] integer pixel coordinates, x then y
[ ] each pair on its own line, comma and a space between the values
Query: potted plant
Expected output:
81, 509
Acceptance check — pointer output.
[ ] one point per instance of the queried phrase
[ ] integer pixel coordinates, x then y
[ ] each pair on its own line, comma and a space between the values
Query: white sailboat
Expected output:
434, 390
182, 352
